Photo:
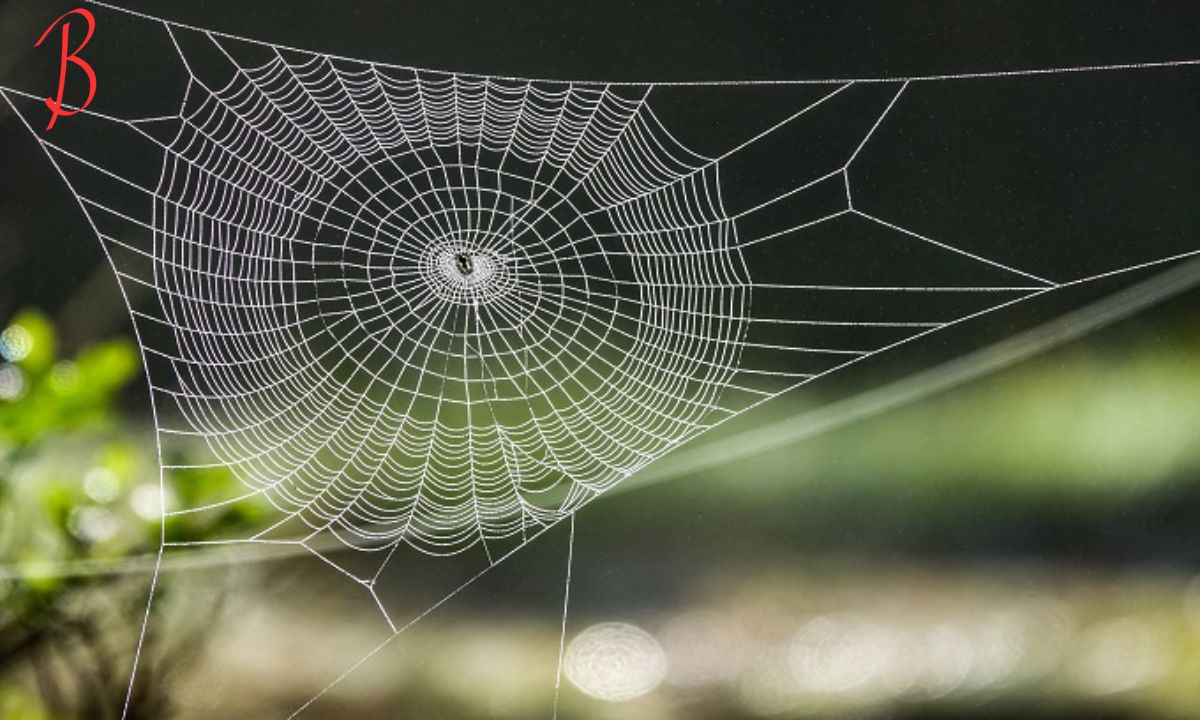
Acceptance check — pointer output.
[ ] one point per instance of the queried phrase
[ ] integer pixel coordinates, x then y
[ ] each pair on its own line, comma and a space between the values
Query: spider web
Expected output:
437, 311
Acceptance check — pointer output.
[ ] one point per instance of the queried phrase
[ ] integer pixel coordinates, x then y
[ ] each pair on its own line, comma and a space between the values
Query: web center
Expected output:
467, 271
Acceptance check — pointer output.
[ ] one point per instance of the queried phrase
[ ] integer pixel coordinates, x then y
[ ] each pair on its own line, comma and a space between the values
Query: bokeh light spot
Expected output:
15, 343
615, 661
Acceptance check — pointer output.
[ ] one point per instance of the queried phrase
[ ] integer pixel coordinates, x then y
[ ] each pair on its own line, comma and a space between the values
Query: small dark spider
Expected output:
464, 263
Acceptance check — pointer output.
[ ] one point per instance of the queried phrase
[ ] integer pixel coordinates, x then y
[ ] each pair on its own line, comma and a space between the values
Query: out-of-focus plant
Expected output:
80, 500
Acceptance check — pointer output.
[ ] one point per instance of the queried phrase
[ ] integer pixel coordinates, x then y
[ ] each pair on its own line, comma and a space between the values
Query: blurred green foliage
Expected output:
50, 395
80, 503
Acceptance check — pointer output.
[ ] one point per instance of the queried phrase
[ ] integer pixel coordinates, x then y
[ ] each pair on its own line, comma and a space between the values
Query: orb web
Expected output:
463, 309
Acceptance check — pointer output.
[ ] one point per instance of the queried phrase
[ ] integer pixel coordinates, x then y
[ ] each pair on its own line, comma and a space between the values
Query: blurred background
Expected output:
1023, 545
